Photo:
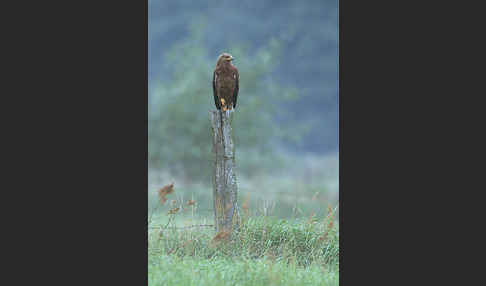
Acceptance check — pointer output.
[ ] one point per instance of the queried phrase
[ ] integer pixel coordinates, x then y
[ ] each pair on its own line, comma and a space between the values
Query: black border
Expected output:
78, 142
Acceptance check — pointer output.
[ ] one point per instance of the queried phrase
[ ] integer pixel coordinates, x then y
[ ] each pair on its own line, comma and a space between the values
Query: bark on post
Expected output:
226, 215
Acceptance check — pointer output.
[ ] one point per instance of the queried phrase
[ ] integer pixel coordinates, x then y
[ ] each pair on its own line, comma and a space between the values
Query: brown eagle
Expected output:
225, 83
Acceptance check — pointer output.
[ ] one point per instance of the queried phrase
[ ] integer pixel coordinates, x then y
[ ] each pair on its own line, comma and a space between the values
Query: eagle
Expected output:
225, 83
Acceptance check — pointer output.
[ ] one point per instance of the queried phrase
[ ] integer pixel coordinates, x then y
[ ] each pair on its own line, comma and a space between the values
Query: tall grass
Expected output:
284, 241
264, 251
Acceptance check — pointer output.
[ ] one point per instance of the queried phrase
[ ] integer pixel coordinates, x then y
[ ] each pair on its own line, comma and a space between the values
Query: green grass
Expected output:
278, 243
265, 251
173, 270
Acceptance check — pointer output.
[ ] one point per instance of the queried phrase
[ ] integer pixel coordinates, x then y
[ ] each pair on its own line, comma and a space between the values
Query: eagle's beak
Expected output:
230, 59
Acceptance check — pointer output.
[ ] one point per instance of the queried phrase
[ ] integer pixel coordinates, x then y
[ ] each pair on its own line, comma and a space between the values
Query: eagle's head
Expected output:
224, 58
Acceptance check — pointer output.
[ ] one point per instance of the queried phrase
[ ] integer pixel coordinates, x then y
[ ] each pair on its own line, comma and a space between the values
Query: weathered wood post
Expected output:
226, 215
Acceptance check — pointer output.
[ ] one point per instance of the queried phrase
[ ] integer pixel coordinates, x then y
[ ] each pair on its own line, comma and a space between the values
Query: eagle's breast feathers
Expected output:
225, 83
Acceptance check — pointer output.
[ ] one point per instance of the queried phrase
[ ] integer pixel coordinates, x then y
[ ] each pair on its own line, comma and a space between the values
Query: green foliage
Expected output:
264, 252
179, 128
301, 241
307, 32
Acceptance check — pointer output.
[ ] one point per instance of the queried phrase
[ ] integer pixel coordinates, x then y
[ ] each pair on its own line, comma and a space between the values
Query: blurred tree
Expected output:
308, 56
179, 126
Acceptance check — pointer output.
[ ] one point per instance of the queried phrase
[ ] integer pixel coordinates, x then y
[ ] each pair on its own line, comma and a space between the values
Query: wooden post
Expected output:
226, 215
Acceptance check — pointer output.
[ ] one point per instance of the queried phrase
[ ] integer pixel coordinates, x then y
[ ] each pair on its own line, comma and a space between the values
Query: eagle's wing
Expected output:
237, 87
216, 101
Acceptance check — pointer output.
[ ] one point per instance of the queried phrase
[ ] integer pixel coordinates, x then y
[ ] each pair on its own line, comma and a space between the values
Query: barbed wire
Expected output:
190, 226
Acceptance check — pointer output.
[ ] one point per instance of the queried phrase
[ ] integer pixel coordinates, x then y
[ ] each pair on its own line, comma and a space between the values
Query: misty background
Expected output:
286, 120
